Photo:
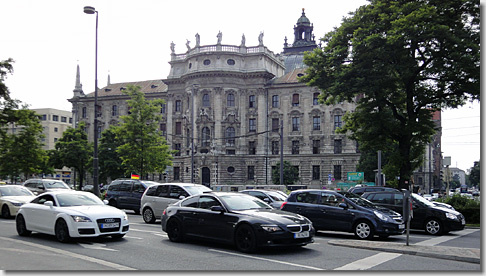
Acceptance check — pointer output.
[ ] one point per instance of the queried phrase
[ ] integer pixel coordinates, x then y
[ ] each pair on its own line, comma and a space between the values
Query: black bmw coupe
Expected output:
235, 218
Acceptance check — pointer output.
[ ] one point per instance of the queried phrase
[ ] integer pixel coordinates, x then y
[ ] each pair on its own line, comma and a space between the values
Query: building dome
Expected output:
303, 19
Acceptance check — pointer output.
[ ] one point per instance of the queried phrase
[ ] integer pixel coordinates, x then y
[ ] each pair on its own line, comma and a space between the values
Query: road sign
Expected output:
355, 176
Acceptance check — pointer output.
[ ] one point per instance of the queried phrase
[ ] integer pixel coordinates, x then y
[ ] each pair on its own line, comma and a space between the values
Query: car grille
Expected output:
108, 220
296, 228
398, 219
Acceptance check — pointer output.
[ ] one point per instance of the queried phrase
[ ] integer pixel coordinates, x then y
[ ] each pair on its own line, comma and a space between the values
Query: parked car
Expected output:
359, 190
157, 197
273, 197
347, 212
427, 216
127, 193
12, 197
69, 215
42, 185
235, 218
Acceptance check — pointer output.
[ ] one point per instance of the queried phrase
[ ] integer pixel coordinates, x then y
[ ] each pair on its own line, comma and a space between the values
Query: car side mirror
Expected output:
267, 200
41, 188
182, 197
105, 202
343, 205
49, 203
217, 209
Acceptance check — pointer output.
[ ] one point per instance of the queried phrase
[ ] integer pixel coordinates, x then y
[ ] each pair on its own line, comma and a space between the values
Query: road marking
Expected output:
369, 262
97, 246
71, 254
441, 239
265, 259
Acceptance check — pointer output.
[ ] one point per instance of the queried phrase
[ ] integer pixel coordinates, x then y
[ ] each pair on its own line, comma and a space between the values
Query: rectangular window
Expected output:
230, 152
114, 110
275, 101
337, 172
275, 147
56, 129
63, 119
295, 147
206, 102
177, 173
163, 108
316, 146
44, 116
316, 123
163, 129
230, 100
177, 147
55, 118
315, 99
252, 101
251, 172
98, 111
295, 100
338, 146
316, 172
337, 121
178, 106
295, 123
178, 130
252, 125
275, 124
252, 148
83, 113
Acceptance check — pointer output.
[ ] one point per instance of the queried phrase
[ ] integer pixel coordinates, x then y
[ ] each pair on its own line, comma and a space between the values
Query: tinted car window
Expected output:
382, 198
44, 198
330, 199
308, 197
206, 202
162, 190
138, 187
177, 192
152, 191
124, 187
260, 195
190, 202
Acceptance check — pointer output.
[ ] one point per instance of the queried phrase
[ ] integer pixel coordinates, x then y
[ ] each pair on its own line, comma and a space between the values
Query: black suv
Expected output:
426, 215
126, 193
366, 189
330, 210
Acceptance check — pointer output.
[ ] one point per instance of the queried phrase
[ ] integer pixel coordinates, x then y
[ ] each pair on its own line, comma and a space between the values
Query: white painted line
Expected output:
71, 254
369, 262
265, 259
441, 239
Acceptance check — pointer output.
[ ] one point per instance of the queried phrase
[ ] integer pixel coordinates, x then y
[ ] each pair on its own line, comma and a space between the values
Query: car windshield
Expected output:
277, 196
194, 190
422, 200
56, 184
244, 202
15, 191
77, 199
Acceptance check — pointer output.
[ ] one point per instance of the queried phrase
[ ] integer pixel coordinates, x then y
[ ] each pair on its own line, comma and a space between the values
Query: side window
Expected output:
191, 202
206, 202
124, 187
114, 186
398, 199
308, 197
260, 195
138, 187
45, 198
151, 191
162, 190
383, 198
176, 192
330, 199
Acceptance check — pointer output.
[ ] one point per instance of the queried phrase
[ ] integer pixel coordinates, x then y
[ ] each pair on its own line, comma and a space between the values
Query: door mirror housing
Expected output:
217, 209
343, 205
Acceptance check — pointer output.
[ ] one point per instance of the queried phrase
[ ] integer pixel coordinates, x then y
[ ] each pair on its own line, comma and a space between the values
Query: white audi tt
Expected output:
71, 214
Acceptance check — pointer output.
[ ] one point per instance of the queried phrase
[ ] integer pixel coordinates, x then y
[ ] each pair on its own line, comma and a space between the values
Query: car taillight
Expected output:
283, 204
163, 213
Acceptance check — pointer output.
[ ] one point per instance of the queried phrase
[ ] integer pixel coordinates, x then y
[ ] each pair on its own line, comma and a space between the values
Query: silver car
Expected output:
274, 198
39, 186
157, 197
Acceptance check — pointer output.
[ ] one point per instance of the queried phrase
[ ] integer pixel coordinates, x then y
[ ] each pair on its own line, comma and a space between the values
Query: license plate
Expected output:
110, 225
299, 235
463, 221
401, 226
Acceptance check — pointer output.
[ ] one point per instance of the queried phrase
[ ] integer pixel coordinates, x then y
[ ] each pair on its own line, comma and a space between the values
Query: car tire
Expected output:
21, 226
175, 231
364, 230
117, 236
245, 239
148, 215
62, 231
5, 212
433, 227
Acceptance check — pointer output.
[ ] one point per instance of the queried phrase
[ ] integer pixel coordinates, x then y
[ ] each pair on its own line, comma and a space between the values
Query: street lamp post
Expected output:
91, 10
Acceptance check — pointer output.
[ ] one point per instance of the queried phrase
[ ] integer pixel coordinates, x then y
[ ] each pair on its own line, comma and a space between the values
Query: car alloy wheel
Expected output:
174, 231
433, 227
62, 231
363, 230
5, 212
148, 215
245, 239
21, 227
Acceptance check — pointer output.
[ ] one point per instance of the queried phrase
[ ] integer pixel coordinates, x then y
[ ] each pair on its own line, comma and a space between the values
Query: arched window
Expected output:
230, 99
206, 137
206, 102
230, 136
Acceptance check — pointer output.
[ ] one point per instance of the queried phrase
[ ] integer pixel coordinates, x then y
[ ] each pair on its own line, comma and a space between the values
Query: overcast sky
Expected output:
49, 38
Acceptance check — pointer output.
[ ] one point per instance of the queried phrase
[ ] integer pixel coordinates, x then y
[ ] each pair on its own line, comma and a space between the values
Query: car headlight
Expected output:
383, 217
125, 216
271, 228
451, 216
18, 204
81, 219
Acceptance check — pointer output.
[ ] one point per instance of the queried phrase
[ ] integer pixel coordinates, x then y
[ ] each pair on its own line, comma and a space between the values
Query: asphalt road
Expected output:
147, 248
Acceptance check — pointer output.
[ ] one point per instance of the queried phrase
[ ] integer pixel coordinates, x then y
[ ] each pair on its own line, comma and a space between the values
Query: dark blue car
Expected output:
347, 212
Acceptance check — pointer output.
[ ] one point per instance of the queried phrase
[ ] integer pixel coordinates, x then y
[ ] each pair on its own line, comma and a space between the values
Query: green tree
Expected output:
290, 174
7, 104
143, 149
109, 160
400, 61
74, 151
474, 174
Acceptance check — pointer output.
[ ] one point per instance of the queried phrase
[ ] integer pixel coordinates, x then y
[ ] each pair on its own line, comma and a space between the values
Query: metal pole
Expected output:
379, 169
192, 135
281, 153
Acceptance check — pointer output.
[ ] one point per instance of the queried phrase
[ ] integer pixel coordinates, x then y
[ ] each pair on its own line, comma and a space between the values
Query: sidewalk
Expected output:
470, 255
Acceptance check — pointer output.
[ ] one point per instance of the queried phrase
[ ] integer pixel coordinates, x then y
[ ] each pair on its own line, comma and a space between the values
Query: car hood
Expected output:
445, 209
275, 216
94, 210
21, 199
387, 211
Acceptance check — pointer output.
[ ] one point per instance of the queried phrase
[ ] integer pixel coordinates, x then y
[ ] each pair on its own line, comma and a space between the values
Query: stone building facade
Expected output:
225, 108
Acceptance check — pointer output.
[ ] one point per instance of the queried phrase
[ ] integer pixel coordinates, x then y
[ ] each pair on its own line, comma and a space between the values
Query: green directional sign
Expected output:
355, 176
